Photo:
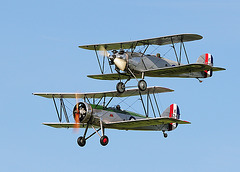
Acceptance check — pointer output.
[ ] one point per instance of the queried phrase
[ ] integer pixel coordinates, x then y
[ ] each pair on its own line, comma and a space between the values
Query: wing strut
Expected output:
61, 110
98, 59
145, 50
185, 52
175, 51
59, 117
156, 104
143, 103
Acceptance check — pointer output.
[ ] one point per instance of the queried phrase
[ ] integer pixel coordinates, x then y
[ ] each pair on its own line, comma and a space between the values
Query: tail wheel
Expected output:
142, 85
104, 140
120, 87
165, 135
81, 141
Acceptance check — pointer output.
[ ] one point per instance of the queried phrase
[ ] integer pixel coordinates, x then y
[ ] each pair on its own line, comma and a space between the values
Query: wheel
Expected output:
165, 135
104, 140
81, 141
142, 85
120, 87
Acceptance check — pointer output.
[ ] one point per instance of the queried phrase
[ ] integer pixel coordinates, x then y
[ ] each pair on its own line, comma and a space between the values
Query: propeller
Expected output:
103, 52
77, 116
117, 59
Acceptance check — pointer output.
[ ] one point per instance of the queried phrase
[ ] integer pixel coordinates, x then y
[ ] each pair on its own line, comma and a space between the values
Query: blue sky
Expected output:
39, 53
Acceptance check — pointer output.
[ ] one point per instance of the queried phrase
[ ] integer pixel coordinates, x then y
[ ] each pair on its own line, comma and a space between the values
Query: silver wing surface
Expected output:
127, 93
161, 72
172, 71
164, 40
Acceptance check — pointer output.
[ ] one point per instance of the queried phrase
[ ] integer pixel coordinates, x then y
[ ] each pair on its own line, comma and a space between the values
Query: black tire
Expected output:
142, 85
165, 135
120, 87
104, 140
81, 141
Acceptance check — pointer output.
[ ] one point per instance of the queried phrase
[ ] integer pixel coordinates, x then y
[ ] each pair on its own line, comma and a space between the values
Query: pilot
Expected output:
158, 55
118, 107
114, 51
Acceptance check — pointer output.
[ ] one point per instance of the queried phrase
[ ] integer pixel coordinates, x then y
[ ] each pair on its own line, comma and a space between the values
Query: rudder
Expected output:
208, 60
172, 112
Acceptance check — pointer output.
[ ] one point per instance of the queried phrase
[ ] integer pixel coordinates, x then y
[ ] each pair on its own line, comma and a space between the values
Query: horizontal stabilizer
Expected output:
217, 68
127, 93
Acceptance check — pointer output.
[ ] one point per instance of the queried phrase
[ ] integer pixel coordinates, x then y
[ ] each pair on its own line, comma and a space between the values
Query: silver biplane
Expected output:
132, 64
94, 112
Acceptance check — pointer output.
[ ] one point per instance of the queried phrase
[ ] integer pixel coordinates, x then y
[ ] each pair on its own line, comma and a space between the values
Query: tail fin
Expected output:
172, 112
208, 60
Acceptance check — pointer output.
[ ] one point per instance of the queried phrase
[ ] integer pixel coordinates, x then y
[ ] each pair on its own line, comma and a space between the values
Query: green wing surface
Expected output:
131, 124
110, 76
65, 125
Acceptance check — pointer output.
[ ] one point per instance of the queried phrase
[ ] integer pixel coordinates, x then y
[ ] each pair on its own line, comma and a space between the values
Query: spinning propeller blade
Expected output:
103, 52
76, 117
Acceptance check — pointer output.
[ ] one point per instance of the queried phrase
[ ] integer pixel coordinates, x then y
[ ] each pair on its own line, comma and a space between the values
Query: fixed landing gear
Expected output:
142, 86
120, 87
104, 140
81, 141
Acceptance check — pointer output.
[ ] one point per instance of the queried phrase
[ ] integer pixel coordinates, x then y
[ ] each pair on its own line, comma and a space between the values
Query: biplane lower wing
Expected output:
110, 76
65, 125
161, 72
128, 125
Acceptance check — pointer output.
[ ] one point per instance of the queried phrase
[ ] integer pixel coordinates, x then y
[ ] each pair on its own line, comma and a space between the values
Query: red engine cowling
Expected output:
82, 112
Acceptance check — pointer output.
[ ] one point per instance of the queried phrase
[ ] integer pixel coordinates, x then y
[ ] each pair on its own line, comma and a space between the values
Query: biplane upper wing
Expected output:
164, 40
131, 124
170, 71
127, 93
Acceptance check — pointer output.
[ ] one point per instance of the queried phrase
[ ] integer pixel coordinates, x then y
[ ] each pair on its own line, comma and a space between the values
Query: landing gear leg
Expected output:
104, 139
